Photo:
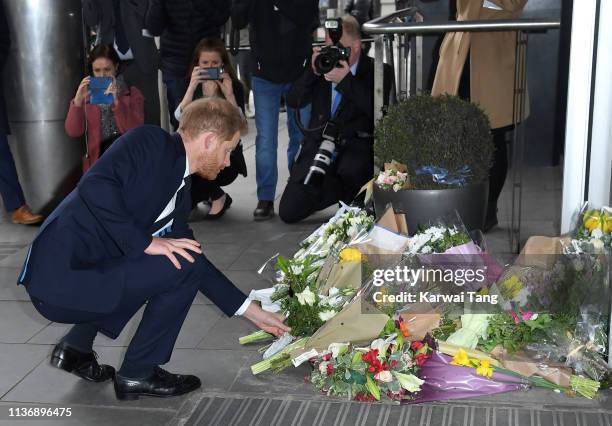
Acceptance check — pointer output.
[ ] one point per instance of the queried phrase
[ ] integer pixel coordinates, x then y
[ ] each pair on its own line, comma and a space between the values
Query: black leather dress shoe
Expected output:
226, 205
264, 210
159, 383
83, 364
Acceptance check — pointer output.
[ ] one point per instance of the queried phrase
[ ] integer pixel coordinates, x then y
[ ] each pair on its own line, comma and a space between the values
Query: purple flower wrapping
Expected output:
444, 381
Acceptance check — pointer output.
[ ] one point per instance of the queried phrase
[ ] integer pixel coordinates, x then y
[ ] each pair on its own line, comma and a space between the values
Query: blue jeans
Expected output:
267, 96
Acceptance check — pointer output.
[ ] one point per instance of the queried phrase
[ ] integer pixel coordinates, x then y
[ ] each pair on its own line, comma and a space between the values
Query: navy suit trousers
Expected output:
168, 293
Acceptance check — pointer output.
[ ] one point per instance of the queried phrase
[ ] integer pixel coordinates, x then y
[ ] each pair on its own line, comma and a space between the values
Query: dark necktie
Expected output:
120, 38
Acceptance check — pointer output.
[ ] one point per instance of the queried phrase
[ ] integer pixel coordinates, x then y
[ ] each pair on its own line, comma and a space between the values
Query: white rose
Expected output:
323, 367
384, 376
598, 245
307, 297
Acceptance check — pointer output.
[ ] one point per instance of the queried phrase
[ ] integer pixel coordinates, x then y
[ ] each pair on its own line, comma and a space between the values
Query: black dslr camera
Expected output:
325, 155
329, 56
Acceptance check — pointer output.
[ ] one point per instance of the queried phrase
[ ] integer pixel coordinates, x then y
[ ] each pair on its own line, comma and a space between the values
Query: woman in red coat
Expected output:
104, 123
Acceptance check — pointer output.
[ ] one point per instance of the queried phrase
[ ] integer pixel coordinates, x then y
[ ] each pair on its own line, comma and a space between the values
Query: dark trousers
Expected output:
146, 82
499, 168
204, 190
347, 174
300, 201
10, 190
168, 293
175, 91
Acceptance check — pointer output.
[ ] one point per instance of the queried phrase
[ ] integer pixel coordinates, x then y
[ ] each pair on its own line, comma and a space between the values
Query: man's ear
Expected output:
209, 140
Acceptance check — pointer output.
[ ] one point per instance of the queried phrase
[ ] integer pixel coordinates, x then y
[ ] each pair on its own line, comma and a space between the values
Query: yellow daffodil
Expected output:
484, 369
461, 358
607, 223
511, 287
593, 220
350, 255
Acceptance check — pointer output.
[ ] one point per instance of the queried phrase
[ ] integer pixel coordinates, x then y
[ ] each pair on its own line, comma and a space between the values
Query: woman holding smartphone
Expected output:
212, 75
104, 118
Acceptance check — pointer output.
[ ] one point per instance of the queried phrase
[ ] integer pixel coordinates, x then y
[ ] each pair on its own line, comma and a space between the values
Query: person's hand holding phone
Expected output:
196, 78
82, 92
225, 85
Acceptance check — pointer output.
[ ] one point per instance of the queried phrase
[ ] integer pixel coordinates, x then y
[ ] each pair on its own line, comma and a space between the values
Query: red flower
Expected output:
416, 345
371, 356
330, 369
364, 397
394, 363
420, 359
327, 356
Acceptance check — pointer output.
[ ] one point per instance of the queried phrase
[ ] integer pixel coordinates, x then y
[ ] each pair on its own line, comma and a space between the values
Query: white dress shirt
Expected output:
170, 208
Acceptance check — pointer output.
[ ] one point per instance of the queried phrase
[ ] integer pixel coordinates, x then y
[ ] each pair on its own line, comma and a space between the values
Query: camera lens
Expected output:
324, 63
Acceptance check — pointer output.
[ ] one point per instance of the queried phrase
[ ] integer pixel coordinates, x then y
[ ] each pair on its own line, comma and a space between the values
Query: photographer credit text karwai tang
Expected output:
406, 276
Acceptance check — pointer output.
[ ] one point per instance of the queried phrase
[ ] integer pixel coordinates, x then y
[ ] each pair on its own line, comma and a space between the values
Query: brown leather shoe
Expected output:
24, 216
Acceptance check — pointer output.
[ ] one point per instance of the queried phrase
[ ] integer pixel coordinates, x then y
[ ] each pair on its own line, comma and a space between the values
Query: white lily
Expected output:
327, 315
307, 297
409, 382
338, 349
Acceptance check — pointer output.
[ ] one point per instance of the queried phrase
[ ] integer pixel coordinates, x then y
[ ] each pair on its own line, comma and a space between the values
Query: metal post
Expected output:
378, 76
518, 144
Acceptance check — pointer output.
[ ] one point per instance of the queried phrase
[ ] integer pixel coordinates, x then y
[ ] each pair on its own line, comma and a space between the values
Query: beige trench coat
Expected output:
492, 60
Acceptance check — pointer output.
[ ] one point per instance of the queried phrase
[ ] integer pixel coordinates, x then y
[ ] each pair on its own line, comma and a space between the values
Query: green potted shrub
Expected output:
443, 132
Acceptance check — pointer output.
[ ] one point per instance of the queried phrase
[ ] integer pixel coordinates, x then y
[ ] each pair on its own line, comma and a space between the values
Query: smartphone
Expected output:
213, 73
97, 87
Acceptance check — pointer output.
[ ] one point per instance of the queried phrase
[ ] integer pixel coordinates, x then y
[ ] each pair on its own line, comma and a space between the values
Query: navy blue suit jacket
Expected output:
76, 260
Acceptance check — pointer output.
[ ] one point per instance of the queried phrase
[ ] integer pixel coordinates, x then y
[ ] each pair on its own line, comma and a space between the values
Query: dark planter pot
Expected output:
420, 206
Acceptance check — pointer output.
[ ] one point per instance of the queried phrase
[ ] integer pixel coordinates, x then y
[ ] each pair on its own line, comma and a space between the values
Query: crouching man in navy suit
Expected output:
121, 240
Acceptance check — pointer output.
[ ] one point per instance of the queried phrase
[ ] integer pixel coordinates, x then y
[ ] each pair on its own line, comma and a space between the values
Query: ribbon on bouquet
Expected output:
442, 175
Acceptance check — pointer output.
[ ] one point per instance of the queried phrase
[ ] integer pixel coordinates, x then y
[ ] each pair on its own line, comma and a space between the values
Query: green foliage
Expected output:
511, 336
443, 131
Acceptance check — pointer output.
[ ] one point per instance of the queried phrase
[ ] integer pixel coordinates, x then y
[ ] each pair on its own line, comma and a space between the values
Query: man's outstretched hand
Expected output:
267, 321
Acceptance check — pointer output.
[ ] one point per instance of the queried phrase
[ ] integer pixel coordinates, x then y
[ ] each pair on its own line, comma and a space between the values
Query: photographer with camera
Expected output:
336, 157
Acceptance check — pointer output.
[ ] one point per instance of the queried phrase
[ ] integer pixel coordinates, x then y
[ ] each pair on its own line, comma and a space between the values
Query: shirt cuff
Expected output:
242, 309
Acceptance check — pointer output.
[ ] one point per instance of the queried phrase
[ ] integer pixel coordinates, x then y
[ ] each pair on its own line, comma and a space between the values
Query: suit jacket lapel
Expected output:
170, 181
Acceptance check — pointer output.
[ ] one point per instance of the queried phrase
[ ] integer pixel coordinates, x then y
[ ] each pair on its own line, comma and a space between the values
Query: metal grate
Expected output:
217, 410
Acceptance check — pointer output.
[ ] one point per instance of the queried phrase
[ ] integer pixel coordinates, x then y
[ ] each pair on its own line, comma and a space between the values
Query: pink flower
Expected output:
529, 316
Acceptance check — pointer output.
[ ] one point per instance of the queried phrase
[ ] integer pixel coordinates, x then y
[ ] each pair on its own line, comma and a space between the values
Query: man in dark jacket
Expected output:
181, 25
10, 189
120, 24
345, 94
120, 241
281, 40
